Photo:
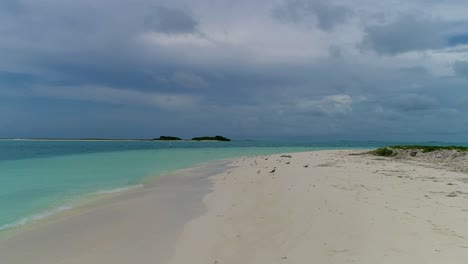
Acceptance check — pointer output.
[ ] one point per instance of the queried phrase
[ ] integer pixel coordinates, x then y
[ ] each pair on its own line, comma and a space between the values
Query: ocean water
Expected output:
39, 178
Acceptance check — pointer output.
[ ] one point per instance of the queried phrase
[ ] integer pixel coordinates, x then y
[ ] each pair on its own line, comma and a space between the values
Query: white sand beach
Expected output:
316, 207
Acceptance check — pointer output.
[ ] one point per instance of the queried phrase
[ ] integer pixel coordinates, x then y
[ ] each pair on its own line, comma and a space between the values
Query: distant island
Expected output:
161, 138
172, 138
167, 138
215, 138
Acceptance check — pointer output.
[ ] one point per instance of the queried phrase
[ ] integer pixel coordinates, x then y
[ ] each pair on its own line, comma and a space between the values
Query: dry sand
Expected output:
317, 207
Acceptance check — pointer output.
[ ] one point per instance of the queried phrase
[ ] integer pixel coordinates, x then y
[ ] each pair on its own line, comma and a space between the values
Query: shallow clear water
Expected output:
40, 177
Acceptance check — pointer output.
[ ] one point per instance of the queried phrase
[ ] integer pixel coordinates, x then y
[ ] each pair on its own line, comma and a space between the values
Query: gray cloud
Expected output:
458, 39
334, 52
170, 21
320, 12
189, 80
407, 33
413, 102
13, 6
461, 68
415, 32
109, 95
339, 104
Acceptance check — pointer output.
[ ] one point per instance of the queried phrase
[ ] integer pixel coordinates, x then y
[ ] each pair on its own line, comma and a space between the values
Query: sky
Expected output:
318, 69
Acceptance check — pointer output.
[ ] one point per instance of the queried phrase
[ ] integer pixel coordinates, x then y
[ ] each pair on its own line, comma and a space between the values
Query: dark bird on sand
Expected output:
306, 166
273, 171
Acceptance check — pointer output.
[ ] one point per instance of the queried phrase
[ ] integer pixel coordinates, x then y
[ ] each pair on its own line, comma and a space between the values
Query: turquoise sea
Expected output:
39, 178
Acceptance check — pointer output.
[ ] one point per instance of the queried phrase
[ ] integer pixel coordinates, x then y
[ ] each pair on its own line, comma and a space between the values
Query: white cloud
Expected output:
176, 40
330, 105
257, 38
116, 96
189, 80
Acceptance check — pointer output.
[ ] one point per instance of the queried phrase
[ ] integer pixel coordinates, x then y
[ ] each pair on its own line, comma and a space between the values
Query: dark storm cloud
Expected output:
414, 33
413, 102
407, 33
461, 68
459, 39
324, 13
225, 67
170, 20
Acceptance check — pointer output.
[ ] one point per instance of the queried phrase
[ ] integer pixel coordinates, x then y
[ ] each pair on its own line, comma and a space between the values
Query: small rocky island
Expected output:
167, 138
172, 138
215, 138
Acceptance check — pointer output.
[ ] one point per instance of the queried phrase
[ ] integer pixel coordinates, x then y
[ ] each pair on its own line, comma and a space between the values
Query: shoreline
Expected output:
184, 188
322, 206
65, 206
88, 200
84, 198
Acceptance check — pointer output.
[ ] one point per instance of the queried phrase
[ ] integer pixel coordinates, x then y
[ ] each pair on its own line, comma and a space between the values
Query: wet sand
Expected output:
136, 226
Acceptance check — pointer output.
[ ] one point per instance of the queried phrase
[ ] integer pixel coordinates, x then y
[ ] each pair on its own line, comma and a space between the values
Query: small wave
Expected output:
119, 189
35, 217
59, 209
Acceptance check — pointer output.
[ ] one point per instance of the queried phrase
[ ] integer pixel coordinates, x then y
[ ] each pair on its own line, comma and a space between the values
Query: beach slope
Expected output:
330, 207
311, 207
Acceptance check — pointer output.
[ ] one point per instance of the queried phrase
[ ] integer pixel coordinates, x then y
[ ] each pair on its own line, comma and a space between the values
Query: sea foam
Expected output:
59, 209
117, 190
35, 217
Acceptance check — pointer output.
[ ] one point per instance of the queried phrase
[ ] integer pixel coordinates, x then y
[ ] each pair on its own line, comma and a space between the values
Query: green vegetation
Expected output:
215, 138
167, 138
386, 152
389, 151
426, 149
